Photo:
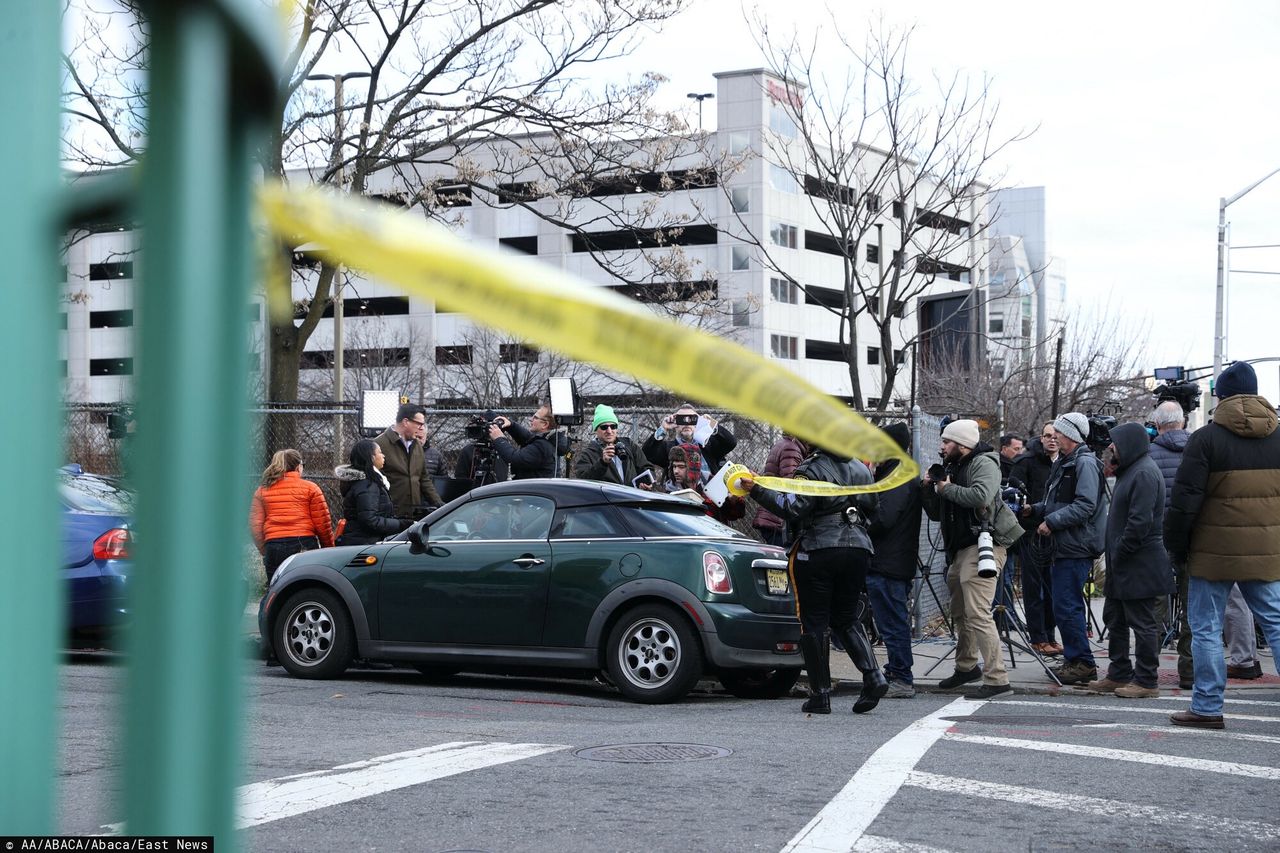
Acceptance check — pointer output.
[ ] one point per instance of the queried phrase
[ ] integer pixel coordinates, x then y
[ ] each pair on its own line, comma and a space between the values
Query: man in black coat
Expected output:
895, 535
1031, 471
1138, 570
679, 428
530, 452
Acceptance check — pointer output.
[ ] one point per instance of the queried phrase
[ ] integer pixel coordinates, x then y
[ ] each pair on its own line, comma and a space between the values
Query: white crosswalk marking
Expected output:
274, 799
1135, 814
1138, 706
1254, 771
1182, 730
878, 844
841, 823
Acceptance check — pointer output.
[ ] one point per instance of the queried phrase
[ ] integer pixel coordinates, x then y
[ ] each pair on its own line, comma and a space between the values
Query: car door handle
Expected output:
526, 562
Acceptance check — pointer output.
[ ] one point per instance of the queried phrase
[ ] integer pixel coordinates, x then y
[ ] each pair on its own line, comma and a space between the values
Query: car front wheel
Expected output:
314, 637
653, 655
760, 683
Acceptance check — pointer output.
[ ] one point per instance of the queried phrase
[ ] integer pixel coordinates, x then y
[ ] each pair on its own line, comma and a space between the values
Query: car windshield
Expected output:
663, 520
94, 494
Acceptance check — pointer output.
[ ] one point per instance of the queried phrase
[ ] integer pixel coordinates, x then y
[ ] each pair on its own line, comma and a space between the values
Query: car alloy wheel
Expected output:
313, 635
653, 655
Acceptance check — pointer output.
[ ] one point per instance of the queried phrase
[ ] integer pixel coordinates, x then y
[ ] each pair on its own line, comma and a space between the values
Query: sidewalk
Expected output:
1026, 674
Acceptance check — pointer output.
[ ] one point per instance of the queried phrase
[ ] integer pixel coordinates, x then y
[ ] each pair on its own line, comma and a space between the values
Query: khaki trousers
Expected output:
976, 634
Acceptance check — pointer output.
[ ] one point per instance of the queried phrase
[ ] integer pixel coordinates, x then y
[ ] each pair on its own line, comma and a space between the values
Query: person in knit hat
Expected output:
1223, 522
967, 496
1073, 518
609, 457
684, 478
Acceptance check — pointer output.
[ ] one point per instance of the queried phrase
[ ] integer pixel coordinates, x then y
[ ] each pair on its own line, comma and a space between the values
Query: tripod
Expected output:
1009, 623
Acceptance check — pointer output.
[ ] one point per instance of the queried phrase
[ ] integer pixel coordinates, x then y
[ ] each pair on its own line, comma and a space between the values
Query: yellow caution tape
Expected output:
812, 488
551, 310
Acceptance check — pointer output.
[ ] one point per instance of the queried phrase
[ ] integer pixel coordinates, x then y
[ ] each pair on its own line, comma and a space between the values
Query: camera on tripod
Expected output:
1100, 426
477, 427
1177, 387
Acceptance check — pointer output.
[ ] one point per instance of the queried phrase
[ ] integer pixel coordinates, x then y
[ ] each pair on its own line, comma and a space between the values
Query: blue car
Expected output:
96, 542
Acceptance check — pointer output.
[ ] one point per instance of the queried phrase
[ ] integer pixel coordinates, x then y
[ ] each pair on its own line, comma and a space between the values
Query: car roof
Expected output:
578, 492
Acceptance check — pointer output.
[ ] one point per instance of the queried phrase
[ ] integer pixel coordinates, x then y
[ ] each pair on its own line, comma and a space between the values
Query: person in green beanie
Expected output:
610, 458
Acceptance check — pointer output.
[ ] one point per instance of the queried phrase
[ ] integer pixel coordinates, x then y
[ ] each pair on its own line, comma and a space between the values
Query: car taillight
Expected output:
716, 573
112, 545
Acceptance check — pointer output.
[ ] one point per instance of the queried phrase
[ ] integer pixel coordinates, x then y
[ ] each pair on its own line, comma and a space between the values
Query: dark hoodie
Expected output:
1137, 565
1224, 514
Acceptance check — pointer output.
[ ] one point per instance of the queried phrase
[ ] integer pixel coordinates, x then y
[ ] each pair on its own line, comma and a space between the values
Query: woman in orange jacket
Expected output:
288, 514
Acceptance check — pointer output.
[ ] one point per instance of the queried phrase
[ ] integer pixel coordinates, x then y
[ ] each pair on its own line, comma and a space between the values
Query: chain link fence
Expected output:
323, 432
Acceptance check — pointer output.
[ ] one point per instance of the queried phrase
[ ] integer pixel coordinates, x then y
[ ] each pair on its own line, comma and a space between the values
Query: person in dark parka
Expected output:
1138, 569
366, 499
895, 533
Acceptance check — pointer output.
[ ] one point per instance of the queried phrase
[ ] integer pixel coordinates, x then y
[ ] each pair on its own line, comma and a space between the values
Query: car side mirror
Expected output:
417, 543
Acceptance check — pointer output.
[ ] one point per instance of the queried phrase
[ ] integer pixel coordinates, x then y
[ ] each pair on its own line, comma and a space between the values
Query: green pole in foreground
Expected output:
32, 608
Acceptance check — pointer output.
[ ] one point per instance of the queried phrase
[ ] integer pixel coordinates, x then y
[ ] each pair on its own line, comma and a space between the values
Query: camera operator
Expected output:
1072, 517
679, 427
529, 451
412, 491
965, 497
1031, 469
609, 457
478, 463
828, 566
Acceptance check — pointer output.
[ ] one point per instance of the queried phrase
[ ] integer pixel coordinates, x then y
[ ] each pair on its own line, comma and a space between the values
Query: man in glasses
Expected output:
1031, 468
682, 427
530, 451
610, 458
412, 491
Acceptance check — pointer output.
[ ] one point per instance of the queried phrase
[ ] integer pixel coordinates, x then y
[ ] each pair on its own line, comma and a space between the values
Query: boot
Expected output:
874, 684
816, 649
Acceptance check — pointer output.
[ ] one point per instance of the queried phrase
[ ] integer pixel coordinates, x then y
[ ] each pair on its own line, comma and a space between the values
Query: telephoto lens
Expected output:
987, 566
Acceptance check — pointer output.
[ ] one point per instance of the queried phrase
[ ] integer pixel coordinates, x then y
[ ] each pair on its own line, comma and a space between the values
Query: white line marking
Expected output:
1231, 768
274, 799
841, 823
1181, 730
1135, 813
1185, 697
879, 844
1136, 708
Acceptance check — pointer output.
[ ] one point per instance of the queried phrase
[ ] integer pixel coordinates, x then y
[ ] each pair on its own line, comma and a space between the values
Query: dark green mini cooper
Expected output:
572, 575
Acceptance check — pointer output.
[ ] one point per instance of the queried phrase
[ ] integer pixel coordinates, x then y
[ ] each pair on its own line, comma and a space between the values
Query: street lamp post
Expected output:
1219, 335
700, 98
339, 361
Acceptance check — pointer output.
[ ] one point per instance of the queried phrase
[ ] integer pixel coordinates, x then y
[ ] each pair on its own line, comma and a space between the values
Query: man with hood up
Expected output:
1224, 522
1138, 571
968, 495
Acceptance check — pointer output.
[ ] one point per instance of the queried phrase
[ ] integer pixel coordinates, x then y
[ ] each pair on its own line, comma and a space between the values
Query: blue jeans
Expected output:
889, 607
1068, 576
1206, 601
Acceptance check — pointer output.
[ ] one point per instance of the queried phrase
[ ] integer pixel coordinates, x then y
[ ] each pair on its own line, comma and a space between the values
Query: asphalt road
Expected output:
489, 763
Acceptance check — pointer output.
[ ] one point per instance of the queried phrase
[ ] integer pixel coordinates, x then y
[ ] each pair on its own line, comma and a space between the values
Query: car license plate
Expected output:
777, 580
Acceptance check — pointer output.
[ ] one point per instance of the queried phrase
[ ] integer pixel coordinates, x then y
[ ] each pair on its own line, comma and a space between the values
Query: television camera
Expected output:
1177, 387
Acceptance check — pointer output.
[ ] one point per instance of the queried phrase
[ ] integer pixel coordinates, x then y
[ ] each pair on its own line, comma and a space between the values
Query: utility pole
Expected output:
339, 359
1219, 331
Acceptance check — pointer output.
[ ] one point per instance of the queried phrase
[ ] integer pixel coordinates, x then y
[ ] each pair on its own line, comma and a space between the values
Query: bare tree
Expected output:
896, 173
1101, 370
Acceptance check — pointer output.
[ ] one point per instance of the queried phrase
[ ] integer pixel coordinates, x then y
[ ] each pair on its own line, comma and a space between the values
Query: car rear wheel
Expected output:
760, 683
652, 654
314, 637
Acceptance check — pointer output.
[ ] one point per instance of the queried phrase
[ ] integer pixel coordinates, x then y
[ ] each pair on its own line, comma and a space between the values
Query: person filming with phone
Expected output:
686, 426
610, 458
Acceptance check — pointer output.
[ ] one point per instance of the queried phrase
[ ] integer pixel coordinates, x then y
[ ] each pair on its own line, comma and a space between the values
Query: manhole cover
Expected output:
1024, 720
652, 753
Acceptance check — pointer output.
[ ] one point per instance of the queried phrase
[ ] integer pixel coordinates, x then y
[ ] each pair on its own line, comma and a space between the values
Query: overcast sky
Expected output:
1148, 113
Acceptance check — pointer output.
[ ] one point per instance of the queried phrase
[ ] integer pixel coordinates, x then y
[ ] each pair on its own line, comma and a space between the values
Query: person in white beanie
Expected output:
1073, 515
965, 497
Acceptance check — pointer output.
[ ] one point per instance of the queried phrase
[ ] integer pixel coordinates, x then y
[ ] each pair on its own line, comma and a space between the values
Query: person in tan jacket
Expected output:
288, 514
412, 491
